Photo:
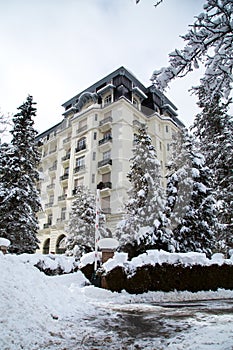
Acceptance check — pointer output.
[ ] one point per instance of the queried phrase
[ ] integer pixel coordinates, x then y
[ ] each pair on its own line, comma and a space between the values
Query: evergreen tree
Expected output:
214, 129
81, 226
144, 208
190, 203
19, 201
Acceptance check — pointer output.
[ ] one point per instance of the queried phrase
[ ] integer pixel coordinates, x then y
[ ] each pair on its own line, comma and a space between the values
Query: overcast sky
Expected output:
53, 49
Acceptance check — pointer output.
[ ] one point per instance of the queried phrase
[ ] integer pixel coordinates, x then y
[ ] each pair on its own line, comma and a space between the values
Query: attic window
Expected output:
107, 100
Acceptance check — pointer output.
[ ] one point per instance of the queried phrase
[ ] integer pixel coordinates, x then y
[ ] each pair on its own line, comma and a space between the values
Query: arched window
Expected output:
46, 246
60, 245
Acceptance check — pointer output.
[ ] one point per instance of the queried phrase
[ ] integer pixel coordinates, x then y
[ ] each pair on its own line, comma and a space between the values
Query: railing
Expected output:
64, 177
137, 123
67, 139
62, 197
78, 168
106, 210
52, 168
46, 225
83, 128
48, 205
80, 148
53, 150
49, 187
104, 185
67, 156
104, 162
105, 121
105, 139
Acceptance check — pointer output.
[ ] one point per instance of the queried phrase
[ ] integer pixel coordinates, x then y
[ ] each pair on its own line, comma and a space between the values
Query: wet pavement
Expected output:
155, 326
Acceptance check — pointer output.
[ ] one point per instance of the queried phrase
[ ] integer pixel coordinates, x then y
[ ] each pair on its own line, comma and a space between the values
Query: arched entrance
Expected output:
60, 245
46, 246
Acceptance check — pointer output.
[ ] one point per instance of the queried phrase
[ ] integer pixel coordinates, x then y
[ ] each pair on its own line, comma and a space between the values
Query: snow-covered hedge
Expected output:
162, 271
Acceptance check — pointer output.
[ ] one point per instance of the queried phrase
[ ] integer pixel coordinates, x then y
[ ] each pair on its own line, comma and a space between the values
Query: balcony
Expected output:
82, 129
64, 177
137, 124
105, 124
106, 210
50, 187
80, 148
67, 140
53, 168
53, 150
79, 168
47, 225
105, 188
48, 205
66, 157
104, 165
62, 197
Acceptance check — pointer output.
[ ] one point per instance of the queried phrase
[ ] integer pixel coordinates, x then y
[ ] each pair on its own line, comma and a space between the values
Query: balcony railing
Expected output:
53, 168
46, 225
67, 139
105, 121
105, 139
83, 128
51, 186
64, 177
79, 168
80, 148
48, 205
104, 162
67, 156
104, 185
53, 150
62, 197
106, 210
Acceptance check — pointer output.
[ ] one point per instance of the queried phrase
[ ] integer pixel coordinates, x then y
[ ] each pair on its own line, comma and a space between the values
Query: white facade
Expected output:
93, 144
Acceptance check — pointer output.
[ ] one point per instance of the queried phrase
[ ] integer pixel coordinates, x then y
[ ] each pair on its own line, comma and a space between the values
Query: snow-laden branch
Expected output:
209, 41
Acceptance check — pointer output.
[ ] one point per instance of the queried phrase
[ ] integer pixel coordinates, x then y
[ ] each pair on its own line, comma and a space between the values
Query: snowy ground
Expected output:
62, 312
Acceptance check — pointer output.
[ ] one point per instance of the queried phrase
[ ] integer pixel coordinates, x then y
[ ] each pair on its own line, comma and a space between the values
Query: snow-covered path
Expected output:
60, 313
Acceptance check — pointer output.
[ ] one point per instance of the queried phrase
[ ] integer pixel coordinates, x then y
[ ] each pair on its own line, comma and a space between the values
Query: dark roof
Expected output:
120, 71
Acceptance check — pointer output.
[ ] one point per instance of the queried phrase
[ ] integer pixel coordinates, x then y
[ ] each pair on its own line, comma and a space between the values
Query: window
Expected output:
166, 128
168, 147
107, 100
51, 198
94, 156
160, 145
96, 117
135, 102
81, 144
107, 155
66, 171
80, 162
50, 219
95, 135
63, 213
93, 178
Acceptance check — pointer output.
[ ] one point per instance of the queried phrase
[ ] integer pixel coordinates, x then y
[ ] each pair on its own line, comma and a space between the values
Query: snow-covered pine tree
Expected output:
81, 225
191, 203
144, 208
213, 126
209, 41
19, 201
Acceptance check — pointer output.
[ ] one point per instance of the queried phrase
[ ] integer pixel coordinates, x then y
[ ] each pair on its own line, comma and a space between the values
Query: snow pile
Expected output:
153, 257
44, 312
59, 263
4, 242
